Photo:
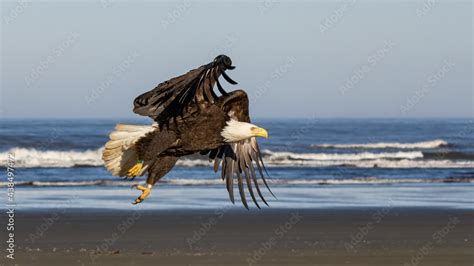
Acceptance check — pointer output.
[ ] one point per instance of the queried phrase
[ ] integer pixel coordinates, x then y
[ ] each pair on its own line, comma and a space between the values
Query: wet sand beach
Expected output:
358, 236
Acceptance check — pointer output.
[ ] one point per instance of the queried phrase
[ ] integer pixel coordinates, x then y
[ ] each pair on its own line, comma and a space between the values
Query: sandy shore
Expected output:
381, 236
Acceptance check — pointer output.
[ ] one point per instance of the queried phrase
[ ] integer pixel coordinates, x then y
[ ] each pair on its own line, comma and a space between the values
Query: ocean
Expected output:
312, 163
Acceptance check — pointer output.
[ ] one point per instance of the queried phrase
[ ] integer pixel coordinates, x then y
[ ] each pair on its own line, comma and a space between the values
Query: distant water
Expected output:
312, 163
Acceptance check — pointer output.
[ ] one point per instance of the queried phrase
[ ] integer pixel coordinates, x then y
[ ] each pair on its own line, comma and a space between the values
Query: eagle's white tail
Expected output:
120, 154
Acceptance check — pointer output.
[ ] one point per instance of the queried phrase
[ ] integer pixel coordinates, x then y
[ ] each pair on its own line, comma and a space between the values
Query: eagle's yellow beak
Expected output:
260, 132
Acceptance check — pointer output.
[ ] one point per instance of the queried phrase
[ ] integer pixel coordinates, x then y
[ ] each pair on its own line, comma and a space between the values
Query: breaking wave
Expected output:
32, 158
431, 144
277, 156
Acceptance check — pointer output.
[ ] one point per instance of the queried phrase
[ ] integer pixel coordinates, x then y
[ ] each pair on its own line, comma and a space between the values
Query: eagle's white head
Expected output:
236, 131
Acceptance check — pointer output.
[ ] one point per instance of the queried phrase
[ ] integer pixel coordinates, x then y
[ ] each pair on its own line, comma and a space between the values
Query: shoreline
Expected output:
213, 197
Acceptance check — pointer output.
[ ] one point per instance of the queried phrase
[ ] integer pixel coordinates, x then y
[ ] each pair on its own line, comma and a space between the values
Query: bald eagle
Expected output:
190, 118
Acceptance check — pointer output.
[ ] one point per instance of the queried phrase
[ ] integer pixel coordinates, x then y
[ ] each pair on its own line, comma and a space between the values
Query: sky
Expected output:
295, 59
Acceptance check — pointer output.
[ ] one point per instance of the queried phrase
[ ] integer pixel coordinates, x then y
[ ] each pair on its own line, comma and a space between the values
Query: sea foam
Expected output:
32, 158
431, 144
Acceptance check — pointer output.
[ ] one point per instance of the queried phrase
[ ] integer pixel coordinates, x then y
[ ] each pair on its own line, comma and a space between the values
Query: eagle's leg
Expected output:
160, 168
146, 190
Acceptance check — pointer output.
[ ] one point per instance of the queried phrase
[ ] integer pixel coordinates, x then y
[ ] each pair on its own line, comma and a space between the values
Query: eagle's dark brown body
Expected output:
197, 134
201, 131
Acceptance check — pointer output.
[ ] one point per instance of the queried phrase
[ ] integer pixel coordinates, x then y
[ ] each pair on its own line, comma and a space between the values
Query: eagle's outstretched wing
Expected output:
238, 159
171, 98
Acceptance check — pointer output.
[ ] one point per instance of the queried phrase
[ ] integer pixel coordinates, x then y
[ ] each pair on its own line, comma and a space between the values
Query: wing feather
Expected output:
241, 186
249, 183
238, 160
172, 98
228, 79
229, 175
255, 182
249, 164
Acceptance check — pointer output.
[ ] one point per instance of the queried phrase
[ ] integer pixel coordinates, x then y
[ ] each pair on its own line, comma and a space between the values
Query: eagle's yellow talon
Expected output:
145, 192
135, 170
